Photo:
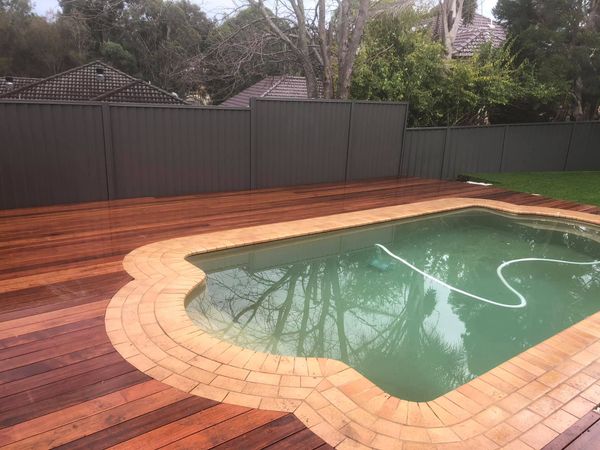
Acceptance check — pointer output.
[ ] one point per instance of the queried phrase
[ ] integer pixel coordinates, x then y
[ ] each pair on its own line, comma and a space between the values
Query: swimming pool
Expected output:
418, 306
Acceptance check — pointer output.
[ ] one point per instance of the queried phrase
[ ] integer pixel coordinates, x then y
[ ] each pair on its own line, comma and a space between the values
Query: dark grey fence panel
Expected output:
423, 153
51, 154
473, 149
584, 153
172, 151
299, 142
536, 147
60, 152
376, 136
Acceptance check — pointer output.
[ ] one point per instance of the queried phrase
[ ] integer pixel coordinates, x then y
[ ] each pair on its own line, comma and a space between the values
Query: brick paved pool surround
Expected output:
525, 401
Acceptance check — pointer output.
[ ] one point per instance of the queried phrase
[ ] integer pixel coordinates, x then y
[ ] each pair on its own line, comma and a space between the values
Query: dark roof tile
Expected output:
284, 86
473, 35
9, 83
95, 81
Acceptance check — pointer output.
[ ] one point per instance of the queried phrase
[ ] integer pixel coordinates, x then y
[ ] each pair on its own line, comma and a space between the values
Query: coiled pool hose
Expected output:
522, 301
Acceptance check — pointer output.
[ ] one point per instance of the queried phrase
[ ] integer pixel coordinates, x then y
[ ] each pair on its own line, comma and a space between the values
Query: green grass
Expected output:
581, 187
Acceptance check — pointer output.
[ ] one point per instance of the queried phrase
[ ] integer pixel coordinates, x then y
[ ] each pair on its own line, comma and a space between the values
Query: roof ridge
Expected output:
486, 36
137, 81
82, 72
114, 91
158, 88
18, 77
98, 61
281, 78
51, 77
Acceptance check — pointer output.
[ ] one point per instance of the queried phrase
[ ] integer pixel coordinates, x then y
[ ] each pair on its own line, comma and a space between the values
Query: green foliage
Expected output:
562, 42
114, 54
156, 40
549, 71
401, 63
164, 38
486, 87
397, 63
32, 46
469, 10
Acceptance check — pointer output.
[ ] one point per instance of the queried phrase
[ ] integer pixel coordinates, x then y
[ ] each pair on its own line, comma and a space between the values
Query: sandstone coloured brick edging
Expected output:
523, 403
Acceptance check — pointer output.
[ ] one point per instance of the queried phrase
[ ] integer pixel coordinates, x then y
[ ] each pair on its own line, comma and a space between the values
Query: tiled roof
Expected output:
284, 86
9, 83
95, 81
473, 35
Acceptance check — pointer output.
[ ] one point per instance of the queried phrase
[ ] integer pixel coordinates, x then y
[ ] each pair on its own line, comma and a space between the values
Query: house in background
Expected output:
283, 86
471, 36
9, 83
95, 81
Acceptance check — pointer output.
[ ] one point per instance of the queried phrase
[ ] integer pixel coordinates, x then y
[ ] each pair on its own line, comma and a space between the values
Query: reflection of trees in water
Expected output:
380, 317
327, 307
494, 334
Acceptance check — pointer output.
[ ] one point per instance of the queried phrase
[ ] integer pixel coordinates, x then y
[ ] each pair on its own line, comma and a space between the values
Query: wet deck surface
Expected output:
583, 435
61, 382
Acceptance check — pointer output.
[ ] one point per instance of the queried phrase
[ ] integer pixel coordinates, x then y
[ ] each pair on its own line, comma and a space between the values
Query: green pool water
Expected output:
415, 335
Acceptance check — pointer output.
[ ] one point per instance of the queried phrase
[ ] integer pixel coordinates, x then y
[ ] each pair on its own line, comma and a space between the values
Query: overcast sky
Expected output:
215, 7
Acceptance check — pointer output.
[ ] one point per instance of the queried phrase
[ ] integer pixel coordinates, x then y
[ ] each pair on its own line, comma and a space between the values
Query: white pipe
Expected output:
522, 300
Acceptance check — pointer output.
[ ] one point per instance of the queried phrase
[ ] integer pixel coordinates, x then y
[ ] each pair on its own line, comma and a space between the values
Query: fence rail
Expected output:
62, 152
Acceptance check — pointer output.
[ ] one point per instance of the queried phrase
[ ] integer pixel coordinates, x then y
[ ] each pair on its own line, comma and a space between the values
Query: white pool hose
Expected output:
522, 301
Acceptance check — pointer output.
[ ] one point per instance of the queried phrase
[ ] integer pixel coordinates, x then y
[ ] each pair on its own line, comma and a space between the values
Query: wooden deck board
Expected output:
62, 384
584, 434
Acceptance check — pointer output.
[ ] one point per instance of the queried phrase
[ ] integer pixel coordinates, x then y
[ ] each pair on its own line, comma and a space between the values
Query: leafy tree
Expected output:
101, 17
480, 89
562, 39
14, 15
165, 37
323, 41
400, 62
157, 40
114, 53
32, 46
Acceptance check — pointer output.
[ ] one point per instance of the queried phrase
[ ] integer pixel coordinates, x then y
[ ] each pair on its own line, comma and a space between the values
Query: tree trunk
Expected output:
300, 49
312, 87
348, 57
324, 47
450, 16
304, 52
593, 19
578, 94
350, 30
581, 110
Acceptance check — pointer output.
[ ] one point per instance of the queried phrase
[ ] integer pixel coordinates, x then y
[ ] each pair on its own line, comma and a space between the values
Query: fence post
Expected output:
109, 159
402, 144
502, 151
253, 143
573, 126
444, 153
348, 141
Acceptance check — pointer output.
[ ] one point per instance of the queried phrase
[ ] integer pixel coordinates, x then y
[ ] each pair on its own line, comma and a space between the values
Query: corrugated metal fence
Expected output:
159, 151
51, 153
57, 152
54, 152
448, 152
319, 141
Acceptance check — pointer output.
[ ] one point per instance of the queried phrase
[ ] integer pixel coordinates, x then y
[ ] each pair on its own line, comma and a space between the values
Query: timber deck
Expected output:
61, 382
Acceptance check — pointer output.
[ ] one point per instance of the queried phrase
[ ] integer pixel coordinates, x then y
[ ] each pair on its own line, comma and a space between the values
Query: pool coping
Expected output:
524, 402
